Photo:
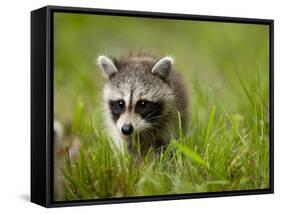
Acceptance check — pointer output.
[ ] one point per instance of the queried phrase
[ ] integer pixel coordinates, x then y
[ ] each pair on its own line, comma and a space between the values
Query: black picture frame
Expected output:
42, 104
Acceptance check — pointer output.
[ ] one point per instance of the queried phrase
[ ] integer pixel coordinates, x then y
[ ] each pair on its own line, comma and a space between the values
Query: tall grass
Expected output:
226, 152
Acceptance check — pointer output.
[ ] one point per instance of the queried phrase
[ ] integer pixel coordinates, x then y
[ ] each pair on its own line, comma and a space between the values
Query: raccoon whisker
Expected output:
171, 116
140, 124
154, 119
149, 116
151, 113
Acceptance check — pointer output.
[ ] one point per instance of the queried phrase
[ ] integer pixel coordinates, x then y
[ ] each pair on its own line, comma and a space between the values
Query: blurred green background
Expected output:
207, 54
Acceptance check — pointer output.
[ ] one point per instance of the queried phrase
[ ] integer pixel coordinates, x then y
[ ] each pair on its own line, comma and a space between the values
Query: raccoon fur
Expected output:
143, 96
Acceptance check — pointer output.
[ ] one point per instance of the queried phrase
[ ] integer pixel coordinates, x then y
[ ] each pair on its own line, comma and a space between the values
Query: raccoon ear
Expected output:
163, 67
107, 66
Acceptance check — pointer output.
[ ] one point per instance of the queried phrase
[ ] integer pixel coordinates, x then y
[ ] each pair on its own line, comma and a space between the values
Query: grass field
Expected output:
226, 68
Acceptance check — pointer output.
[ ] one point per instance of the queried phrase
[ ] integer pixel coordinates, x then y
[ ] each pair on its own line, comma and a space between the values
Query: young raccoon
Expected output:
143, 95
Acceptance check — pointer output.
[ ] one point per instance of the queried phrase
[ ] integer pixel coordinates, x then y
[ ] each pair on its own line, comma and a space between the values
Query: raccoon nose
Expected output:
127, 129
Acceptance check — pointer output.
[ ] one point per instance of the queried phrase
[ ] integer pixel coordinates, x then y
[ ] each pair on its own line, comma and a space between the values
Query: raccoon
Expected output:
143, 96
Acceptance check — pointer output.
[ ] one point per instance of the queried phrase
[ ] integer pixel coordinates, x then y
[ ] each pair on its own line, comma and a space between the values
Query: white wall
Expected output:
15, 105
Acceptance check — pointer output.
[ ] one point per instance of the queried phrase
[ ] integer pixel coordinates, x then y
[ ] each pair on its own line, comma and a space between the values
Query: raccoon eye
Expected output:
117, 107
142, 103
121, 103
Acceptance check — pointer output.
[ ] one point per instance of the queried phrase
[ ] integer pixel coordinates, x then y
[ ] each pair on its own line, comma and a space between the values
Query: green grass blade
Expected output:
228, 117
210, 124
192, 155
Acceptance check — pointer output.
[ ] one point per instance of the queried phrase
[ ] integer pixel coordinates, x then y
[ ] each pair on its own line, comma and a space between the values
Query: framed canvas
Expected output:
131, 106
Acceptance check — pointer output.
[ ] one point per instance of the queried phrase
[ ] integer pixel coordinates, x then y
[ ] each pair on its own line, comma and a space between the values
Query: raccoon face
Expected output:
137, 116
136, 94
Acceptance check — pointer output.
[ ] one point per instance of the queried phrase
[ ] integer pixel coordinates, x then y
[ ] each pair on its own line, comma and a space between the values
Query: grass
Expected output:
227, 144
224, 153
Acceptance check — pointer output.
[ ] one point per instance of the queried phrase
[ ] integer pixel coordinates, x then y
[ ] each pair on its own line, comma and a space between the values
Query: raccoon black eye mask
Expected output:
149, 111
142, 94
117, 108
